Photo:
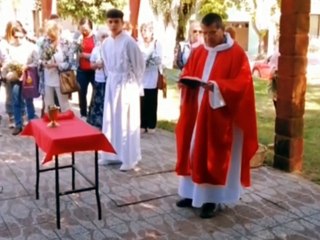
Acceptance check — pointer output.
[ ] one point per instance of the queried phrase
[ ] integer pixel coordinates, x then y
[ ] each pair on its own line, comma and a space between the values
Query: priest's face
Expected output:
115, 25
212, 35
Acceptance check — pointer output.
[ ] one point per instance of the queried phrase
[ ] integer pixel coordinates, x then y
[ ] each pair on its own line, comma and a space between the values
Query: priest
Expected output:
216, 131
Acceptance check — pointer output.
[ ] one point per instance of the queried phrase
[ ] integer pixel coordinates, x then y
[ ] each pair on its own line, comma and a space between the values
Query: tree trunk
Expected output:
184, 12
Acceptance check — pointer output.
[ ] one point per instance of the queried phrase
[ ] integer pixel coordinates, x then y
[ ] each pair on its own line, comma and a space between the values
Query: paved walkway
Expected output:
140, 204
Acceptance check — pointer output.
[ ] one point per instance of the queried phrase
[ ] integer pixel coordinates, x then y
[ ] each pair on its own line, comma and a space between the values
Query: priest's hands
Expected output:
208, 86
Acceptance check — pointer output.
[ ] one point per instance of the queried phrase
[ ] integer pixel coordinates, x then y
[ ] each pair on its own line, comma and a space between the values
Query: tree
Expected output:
217, 6
258, 9
178, 12
93, 9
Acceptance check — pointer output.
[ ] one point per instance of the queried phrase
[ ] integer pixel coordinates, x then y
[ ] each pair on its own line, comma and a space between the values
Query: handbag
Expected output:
161, 81
68, 82
30, 83
162, 84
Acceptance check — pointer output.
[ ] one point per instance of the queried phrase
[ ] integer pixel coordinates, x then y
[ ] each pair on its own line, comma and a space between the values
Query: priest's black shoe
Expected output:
208, 210
184, 203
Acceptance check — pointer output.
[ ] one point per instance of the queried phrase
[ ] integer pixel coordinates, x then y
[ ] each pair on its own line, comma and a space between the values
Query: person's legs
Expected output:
90, 75
8, 103
152, 109
63, 100
17, 106
95, 113
90, 117
48, 97
83, 80
56, 101
31, 112
43, 106
143, 112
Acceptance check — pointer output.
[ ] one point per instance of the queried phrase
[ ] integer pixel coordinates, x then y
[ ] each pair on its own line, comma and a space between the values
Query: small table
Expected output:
71, 136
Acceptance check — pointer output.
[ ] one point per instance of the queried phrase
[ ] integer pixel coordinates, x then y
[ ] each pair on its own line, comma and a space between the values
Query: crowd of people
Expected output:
215, 140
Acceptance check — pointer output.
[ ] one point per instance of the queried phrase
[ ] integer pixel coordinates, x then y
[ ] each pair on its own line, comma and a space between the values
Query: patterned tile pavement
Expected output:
140, 204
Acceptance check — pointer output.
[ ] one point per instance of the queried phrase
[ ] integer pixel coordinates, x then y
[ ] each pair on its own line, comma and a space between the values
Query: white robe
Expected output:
207, 193
125, 65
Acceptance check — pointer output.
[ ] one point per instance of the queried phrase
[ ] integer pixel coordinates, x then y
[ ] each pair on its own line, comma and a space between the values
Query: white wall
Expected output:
315, 6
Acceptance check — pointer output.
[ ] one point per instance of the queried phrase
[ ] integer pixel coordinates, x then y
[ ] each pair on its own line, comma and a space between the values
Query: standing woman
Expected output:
95, 114
21, 55
152, 53
8, 38
195, 39
54, 60
85, 74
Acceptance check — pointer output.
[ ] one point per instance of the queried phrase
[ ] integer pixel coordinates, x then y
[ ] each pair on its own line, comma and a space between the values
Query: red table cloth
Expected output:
71, 135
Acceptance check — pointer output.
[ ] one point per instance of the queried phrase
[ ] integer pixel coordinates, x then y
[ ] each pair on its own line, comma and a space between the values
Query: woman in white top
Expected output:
52, 58
95, 114
20, 55
152, 53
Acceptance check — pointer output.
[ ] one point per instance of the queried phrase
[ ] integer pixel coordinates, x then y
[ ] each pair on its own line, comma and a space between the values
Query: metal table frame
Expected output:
74, 169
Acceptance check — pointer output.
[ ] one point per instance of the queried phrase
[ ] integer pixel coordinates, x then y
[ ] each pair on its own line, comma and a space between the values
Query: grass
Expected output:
311, 166
266, 120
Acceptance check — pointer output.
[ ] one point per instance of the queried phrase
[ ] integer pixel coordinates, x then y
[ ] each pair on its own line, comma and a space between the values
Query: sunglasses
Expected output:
18, 37
197, 31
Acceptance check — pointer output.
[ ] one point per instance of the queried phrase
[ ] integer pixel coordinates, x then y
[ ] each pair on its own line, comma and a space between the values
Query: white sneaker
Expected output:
105, 162
151, 130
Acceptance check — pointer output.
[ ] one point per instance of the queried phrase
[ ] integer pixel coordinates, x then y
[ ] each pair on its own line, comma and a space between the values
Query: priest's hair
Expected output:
213, 18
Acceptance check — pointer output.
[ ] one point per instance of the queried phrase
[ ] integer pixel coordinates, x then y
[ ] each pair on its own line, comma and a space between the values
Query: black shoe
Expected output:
208, 210
184, 203
16, 131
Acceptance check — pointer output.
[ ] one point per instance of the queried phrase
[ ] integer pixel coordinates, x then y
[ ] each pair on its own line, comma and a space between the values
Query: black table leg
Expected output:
96, 170
73, 172
57, 191
37, 172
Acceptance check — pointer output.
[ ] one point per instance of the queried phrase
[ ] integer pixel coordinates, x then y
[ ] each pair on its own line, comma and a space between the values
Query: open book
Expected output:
192, 81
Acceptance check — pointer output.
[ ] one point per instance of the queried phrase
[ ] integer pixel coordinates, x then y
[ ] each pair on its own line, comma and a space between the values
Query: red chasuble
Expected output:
209, 159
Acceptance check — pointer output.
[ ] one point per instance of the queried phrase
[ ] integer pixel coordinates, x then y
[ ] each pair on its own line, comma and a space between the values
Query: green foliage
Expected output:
93, 9
216, 6
166, 125
178, 14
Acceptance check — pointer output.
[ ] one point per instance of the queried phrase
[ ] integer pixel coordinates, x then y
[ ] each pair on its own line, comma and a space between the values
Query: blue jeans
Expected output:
18, 105
9, 100
84, 78
31, 112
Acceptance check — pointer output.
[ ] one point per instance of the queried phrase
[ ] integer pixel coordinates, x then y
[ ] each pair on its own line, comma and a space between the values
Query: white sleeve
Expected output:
159, 54
136, 60
94, 54
215, 97
33, 59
